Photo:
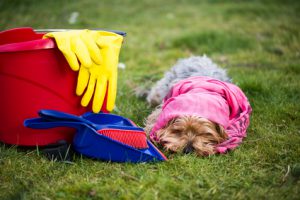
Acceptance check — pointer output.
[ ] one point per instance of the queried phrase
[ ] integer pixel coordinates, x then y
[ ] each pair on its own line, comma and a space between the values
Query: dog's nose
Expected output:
188, 149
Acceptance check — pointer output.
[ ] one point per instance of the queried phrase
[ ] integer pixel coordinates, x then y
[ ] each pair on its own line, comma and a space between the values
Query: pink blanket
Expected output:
220, 102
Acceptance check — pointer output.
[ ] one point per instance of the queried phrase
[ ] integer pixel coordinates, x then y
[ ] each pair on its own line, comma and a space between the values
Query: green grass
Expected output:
213, 41
257, 41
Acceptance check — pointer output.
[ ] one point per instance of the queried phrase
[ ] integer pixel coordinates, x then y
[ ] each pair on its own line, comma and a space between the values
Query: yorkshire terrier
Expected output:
188, 134
198, 109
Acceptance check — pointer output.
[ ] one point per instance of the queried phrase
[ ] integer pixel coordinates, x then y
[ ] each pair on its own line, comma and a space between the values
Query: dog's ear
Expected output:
221, 131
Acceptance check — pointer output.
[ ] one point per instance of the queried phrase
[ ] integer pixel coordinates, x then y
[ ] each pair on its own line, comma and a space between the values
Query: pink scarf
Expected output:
220, 102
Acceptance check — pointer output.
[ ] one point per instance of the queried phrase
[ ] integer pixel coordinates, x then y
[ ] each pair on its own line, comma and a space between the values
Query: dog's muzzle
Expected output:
188, 148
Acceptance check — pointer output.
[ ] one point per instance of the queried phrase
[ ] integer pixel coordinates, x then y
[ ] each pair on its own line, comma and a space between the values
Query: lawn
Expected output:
258, 42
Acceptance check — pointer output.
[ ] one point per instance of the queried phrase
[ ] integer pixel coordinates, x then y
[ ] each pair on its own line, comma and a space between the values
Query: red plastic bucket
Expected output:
34, 75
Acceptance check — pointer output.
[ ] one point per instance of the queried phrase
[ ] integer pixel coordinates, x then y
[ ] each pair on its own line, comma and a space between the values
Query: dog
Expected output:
198, 109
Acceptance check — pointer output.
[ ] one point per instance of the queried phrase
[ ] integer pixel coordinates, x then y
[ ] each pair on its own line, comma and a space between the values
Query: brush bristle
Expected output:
136, 139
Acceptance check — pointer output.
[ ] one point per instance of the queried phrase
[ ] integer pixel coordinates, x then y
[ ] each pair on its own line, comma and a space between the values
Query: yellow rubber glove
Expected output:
98, 68
77, 46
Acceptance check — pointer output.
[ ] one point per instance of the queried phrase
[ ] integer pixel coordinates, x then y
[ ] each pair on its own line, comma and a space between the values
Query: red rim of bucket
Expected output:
28, 46
32, 41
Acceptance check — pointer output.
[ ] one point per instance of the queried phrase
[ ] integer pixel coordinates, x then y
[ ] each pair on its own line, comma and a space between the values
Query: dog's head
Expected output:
189, 134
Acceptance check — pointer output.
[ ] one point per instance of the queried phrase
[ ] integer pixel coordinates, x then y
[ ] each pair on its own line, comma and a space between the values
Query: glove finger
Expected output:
81, 51
82, 80
64, 45
111, 92
99, 95
92, 47
71, 59
89, 91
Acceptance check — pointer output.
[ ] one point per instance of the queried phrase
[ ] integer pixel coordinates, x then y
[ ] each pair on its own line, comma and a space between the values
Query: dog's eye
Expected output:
212, 142
177, 132
163, 142
208, 144
202, 134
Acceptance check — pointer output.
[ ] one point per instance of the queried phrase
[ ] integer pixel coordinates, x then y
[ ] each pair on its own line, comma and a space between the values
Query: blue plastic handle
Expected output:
95, 121
53, 115
40, 123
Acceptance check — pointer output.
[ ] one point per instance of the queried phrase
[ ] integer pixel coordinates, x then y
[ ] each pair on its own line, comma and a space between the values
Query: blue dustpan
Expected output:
89, 142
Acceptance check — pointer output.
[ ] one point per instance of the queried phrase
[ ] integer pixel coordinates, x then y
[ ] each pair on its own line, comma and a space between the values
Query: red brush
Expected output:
134, 138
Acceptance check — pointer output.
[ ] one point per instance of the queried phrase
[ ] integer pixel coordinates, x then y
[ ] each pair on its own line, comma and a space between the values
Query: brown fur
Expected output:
188, 134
